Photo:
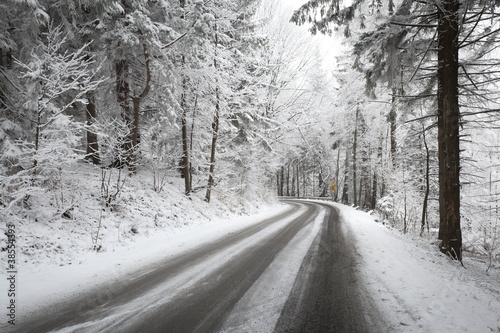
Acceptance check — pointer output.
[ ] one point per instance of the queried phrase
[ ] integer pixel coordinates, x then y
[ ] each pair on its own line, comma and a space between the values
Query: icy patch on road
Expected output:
260, 308
418, 289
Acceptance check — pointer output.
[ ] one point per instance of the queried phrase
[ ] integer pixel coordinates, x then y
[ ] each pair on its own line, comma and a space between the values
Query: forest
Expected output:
234, 100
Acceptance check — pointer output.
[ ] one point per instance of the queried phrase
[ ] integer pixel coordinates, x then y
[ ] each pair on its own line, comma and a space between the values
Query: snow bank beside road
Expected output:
44, 284
420, 290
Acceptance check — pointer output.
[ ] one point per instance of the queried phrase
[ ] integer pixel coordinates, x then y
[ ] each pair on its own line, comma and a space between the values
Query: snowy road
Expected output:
293, 272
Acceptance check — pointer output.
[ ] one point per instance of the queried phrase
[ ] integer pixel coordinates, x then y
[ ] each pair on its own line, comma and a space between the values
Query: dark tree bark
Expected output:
288, 180
137, 108
278, 183
450, 232
185, 146
427, 185
392, 121
215, 125
123, 99
185, 163
130, 117
345, 190
337, 171
298, 184
215, 132
354, 171
376, 173
282, 180
92, 143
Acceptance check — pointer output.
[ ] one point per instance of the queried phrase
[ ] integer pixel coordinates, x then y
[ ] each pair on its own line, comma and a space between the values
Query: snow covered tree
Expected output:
54, 81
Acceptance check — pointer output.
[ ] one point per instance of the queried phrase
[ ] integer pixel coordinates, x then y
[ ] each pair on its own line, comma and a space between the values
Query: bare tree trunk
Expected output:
354, 147
392, 121
215, 125
191, 134
345, 190
366, 180
337, 171
376, 173
185, 147
92, 143
123, 99
298, 184
278, 183
288, 180
450, 232
137, 108
304, 180
215, 132
426, 195
186, 174
282, 180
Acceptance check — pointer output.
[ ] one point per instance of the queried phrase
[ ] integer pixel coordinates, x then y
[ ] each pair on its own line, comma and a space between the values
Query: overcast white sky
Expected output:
330, 46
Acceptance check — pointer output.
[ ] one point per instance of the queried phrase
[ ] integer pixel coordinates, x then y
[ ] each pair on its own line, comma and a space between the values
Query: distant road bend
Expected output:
208, 288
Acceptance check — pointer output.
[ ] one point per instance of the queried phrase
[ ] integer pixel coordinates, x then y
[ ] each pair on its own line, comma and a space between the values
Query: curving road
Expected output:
205, 289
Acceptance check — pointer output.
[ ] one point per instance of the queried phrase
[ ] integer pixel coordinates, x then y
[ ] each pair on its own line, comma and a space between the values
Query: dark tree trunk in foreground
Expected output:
92, 143
448, 129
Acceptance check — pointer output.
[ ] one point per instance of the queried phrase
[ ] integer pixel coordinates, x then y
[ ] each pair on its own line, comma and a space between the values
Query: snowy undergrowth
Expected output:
418, 288
94, 210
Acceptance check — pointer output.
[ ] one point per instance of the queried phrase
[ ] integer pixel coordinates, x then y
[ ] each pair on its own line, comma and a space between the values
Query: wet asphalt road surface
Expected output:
327, 295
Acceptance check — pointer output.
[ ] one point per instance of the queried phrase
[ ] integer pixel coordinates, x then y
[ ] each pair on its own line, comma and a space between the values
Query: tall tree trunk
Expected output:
191, 134
345, 190
185, 146
137, 100
376, 172
298, 183
215, 124
392, 121
123, 99
282, 180
288, 180
354, 171
337, 171
427, 187
186, 174
278, 183
450, 232
366, 179
136, 103
92, 143
215, 133
304, 180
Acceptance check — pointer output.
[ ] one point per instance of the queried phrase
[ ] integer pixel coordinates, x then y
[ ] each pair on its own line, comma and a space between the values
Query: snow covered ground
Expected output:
417, 288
